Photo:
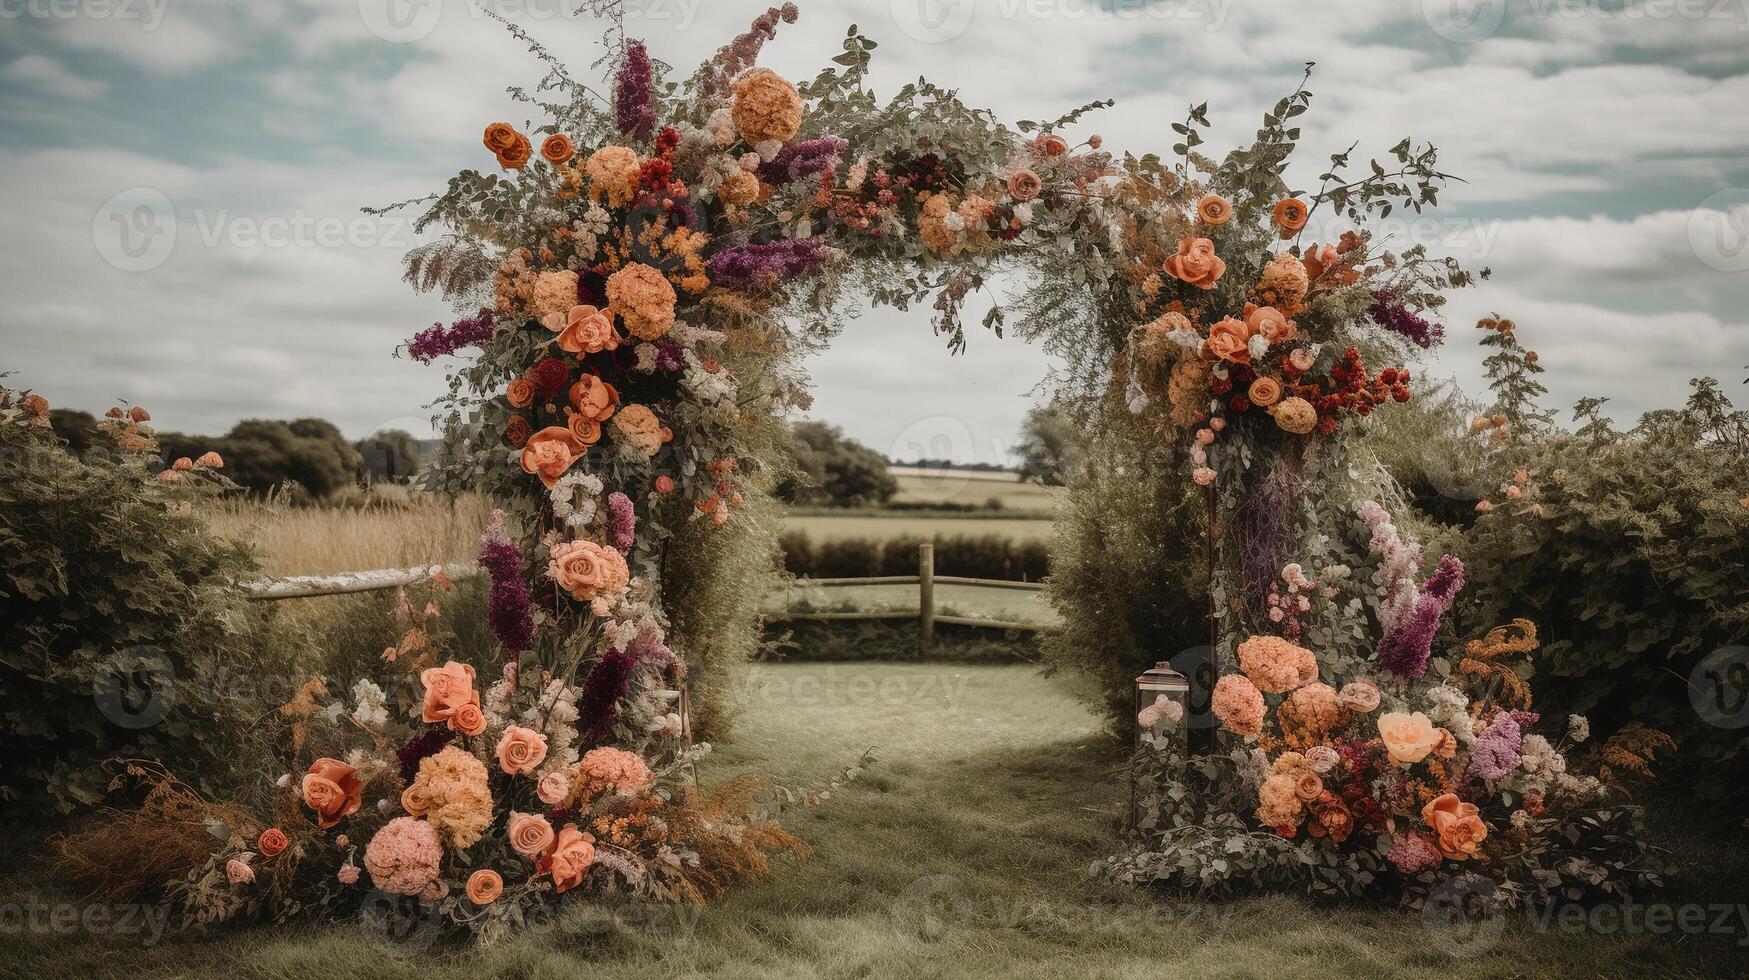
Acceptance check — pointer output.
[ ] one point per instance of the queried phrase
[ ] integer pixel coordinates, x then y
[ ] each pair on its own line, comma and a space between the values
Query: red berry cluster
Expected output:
1355, 390
656, 175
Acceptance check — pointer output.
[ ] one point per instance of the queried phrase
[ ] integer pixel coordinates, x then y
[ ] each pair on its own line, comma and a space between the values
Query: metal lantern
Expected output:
1156, 681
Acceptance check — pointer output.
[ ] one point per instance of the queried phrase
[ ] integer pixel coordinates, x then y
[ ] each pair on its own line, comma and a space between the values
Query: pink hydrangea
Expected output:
404, 856
1414, 853
624, 772
1238, 705
1276, 665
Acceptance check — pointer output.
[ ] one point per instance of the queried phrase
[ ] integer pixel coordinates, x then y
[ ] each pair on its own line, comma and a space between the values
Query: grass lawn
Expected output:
962, 852
939, 486
965, 600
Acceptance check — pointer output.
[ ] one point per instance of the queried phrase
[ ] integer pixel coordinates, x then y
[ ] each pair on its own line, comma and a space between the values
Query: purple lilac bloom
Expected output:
1494, 753
652, 646
1392, 314
507, 607
803, 158
758, 267
622, 521
427, 744
436, 341
1405, 650
598, 702
631, 94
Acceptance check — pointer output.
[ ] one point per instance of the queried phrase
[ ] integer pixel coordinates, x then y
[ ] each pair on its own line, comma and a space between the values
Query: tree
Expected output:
262, 454
835, 470
391, 455
1050, 445
79, 429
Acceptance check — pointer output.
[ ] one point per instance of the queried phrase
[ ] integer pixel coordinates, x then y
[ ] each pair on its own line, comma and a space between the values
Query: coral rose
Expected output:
557, 149
446, 689
333, 790
1196, 263
766, 106
571, 855
1457, 826
642, 430
416, 800
585, 429
521, 750
1290, 216
1407, 737
271, 842
593, 398
1230, 341
643, 298
1269, 322
520, 393
550, 452
484, 886
1024, 185
1302, 358
553, 787
588, 330
1213, 210
1264, 392
587, 570
1052, 145
530, 834
468, 719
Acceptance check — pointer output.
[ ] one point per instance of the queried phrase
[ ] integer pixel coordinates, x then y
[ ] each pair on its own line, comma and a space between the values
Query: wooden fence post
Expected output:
926, 595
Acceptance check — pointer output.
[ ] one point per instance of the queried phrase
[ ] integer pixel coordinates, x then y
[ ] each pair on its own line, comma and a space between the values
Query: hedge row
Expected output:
993, 556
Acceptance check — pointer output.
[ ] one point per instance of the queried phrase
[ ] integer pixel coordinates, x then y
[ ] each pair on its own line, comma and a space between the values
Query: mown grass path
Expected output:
962, 852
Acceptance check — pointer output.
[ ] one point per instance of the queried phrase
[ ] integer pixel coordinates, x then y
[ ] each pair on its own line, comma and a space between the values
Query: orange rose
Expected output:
585, 429
1196, 263
1052, 145
587, 570
588, 330
1229, 340
1308, 786
516, 156
484, 886
416, 800
468, 719
1456, 823
1264, 392
550, 452
516, 431
530, 834
332, 789
1290, 215
446, 689
1408, 738
556, 149
1330, 817
521, 750
1319, 259
520, 394
1024, 185
1213, 210
271, 842
1269, 322
593, 398
571, 856
500, 136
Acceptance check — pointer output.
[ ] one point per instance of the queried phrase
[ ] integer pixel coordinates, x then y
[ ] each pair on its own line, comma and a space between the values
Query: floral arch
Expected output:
636, 291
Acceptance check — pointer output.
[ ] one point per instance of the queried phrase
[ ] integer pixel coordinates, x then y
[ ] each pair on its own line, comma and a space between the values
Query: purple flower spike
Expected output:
1405, 650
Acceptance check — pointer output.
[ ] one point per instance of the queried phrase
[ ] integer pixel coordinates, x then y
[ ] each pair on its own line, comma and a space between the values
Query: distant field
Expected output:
395, 529
932, 486
900, 523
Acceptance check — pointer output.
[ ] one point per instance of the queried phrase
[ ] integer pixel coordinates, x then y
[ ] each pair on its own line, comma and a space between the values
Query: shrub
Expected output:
833, 469
262, 455
993, 556
893, 639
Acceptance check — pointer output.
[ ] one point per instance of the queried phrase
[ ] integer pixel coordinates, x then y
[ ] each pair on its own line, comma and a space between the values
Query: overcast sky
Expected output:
182, 179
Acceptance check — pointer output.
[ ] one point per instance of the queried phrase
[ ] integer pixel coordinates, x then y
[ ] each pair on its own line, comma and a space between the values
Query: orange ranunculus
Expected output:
1052, 145
516, 430
1457, 825
593, 398
1196, 263
332, 789
588, 330
521, 750
1024, 185
484, 886
516, 156
1408, 737
446, 689
587, 570
271, 842
1213, 210
1229, 340
530, 834
1290, 215
1264, 392
570, 857
468, 719
556, 149
586, 430
500, 136
550, 452
1269, 322
520, 393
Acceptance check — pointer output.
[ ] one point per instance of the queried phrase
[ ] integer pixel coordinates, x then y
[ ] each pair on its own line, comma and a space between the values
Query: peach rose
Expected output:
484, 886
1269, 322
1408, 737
587, 570
521, 750
332, 789
554, 787
593, 398
416, 800
446, 689
520, 394
585, 429
271, 842
238, 872
1264, 392
550, 452
1196, 263
1302, 358
569, 859
469, 720
1213, 210
1229, 340
1457, 825
1308, 786
1052, 145
1290, 215
557, 149
1024, 185
588, 330
530, 834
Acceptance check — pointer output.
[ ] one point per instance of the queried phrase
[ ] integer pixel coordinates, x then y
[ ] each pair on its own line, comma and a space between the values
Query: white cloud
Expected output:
50, 77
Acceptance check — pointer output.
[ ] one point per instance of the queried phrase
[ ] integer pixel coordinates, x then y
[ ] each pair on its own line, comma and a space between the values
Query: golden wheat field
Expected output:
928, 485
388, 527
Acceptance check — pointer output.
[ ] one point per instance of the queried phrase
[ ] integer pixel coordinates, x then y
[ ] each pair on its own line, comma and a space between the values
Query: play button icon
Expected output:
933, 21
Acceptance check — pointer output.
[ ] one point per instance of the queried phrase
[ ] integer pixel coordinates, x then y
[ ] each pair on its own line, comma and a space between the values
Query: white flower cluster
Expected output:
586, 232
554, 714
1539, 764
646, 358
1449, 708
576, 498
714, 390
370, 707
1398, 560
687, 335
